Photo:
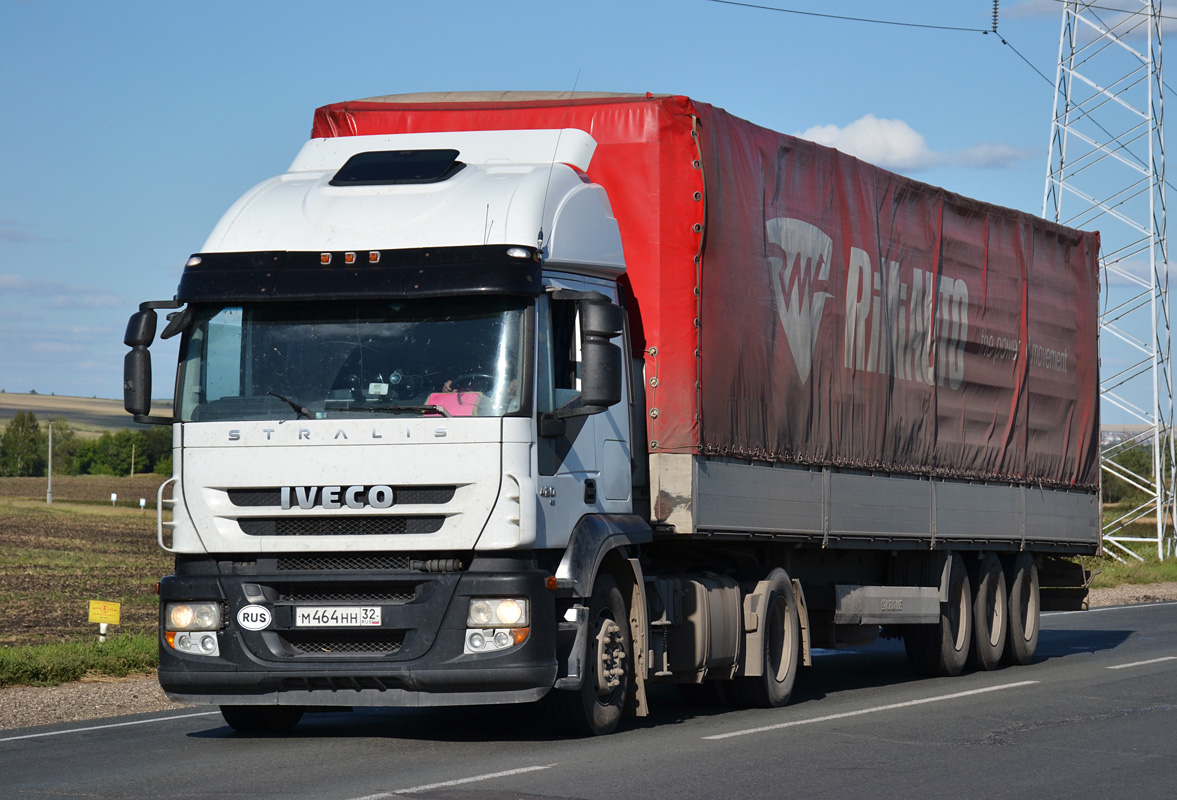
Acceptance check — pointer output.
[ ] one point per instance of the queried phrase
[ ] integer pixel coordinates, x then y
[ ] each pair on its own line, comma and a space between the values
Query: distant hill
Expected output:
87, 415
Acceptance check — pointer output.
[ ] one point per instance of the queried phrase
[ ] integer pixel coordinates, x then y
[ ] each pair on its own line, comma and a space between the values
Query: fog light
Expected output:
204, 644
502, 639
477, 641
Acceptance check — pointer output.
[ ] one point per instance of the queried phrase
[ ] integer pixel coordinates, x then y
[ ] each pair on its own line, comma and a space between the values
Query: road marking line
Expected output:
1106, 608
455, 782
873, 710
1143, 663
111, 725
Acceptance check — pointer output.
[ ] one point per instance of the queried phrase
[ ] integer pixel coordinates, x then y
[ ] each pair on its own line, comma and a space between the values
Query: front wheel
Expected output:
595, 708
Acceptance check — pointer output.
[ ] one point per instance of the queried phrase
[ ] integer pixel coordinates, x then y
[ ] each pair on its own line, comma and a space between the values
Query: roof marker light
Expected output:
518, 252
374, 257
349, 258
194, 261
324, 258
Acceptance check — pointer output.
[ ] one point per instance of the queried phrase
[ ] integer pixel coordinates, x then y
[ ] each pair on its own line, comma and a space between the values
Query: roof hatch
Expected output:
391, 167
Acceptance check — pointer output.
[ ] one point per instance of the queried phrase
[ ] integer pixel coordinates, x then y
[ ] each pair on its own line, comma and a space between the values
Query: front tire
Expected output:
595, 708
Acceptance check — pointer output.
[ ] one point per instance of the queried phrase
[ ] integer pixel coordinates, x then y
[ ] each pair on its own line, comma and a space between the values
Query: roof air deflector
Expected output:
391, 167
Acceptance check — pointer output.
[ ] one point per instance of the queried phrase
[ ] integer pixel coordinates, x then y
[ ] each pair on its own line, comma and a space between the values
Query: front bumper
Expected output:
414, 658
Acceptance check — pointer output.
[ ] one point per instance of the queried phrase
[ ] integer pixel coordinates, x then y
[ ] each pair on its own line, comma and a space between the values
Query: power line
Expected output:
849, 19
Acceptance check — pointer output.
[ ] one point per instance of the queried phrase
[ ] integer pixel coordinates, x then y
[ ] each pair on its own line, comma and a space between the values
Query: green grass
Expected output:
1113, 573
54, 664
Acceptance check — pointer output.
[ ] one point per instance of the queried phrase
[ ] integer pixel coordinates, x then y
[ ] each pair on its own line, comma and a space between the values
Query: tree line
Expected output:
24, 450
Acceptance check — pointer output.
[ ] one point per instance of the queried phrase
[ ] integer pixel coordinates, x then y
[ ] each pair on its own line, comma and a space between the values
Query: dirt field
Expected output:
89, 416
55, 559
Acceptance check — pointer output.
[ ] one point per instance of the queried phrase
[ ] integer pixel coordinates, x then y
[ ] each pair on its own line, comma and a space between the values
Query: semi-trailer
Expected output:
513, 397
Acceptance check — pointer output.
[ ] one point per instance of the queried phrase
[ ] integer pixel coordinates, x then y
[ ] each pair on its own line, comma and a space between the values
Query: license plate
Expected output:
336, 616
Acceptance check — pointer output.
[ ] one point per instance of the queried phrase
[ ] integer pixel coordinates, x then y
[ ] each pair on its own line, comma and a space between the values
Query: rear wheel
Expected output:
781, 643
990, 617
1022, 579
261, 719
941, 649
595, 709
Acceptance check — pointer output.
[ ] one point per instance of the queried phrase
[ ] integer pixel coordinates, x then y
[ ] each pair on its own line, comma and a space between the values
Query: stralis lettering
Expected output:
912, 330
333, 497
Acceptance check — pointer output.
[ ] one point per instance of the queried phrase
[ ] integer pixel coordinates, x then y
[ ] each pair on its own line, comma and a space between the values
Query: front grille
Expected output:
402, 495
396, 593
339, 526
380, 642
360, 563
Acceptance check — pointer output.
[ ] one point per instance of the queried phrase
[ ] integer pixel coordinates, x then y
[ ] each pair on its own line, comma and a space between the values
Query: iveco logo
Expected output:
337, 496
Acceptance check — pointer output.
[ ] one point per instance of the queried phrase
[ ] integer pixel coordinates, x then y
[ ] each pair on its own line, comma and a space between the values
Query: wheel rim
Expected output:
610, 660
1028, 605
993, 613
780, 639
957, 614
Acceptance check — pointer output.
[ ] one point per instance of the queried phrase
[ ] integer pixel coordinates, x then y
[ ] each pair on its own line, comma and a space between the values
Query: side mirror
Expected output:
137, 381
600, 380
140, 329
601, 362
137, 363
601, 318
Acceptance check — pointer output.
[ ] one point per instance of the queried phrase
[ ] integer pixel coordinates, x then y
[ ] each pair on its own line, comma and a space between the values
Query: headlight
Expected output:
193, 616
499, 612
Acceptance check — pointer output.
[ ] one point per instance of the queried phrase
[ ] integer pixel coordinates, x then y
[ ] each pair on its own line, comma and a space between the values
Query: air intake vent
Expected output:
392, 167
339, 526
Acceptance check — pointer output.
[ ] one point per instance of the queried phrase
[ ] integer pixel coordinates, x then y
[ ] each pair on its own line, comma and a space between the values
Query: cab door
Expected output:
583, 463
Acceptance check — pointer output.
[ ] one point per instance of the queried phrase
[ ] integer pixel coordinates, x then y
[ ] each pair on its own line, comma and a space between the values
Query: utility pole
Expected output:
49, 491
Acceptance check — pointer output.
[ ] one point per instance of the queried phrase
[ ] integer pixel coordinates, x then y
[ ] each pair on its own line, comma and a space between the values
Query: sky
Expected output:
130, 127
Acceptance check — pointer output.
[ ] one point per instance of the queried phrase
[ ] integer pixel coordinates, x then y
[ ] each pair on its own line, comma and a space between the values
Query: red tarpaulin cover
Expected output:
798, 305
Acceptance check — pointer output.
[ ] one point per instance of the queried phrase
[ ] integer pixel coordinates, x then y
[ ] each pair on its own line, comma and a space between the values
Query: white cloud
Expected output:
893, 144
890, 143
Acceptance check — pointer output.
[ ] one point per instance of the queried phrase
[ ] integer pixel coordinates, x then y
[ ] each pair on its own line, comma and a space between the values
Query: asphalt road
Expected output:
1094, 716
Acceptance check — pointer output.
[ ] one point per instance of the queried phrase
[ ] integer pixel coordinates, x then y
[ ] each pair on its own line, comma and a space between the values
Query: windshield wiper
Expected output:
427, 409
299, 409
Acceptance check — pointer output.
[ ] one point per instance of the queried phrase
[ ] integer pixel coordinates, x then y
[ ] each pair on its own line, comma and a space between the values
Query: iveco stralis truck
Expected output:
499, 398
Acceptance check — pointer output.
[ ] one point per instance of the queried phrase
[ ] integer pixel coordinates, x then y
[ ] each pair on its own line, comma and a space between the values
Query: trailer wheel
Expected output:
940, 650
262, 719
990, 616
595, 709
782, 649
1023, 605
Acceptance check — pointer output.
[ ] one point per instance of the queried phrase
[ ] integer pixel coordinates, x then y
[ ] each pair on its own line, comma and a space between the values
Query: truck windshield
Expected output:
331, 360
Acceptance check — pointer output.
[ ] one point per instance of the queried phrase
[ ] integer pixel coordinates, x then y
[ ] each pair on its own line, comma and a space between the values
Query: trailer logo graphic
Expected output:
806, 262
911, 324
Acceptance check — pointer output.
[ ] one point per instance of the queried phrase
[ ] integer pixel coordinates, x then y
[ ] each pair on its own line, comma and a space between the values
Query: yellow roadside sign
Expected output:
104, 611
